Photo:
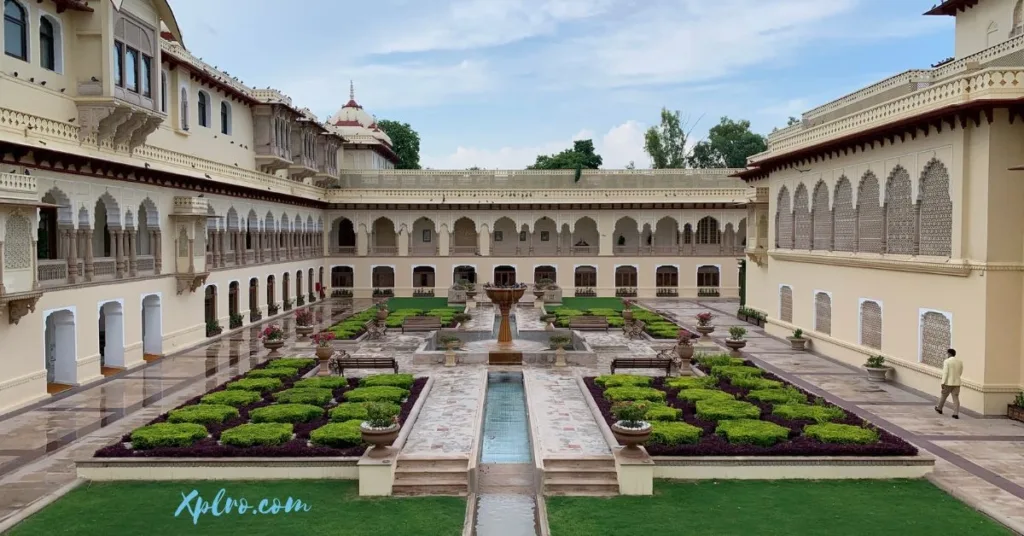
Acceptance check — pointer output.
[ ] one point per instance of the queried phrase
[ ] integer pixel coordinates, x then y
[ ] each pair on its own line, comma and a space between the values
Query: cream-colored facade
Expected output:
889, 221
145, 194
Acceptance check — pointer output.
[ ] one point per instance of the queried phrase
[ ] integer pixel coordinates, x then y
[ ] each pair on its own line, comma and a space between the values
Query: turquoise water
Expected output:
506, 433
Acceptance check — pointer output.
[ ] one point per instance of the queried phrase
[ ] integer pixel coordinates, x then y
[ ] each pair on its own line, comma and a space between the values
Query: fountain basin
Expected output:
478, 345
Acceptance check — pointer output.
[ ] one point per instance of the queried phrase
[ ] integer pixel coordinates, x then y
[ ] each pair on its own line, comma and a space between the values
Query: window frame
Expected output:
24, 25
146, 75
225, 118
118, 66
203, 108
131, 69
47, 22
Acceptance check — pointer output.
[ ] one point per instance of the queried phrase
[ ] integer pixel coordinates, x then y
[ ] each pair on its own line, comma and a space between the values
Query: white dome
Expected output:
356, 124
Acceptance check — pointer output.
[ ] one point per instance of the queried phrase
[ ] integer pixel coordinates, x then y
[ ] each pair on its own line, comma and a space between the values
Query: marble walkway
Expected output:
564, 423
979, 460
447, 422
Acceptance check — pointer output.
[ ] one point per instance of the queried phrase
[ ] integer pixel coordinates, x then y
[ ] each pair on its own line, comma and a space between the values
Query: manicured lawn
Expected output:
424, 304
768, 508
147, 508
592, 303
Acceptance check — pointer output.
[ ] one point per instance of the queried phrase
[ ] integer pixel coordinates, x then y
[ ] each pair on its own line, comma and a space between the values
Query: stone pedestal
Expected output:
449, 358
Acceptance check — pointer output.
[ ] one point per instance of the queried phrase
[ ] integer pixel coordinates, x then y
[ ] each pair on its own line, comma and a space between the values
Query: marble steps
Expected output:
431, 476
594, 477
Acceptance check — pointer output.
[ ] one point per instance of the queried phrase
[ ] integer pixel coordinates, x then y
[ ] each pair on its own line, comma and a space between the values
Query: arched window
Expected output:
184, 109
203, 109
707, 231
15, 30
49, 44
225, 118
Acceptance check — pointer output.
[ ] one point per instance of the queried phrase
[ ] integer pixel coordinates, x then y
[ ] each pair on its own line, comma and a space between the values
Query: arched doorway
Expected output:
233, 316
210, 306
541, 273
254, 299
285, 291
464, 274
61, 349
320, 282
298, 284
271, 298
111, 327
152, 328
309, 284
344, 237
504, 275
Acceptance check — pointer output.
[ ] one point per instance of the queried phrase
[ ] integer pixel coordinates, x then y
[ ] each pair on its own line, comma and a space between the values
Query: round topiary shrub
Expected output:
777, 396
812, 412
674, 433
291, 362
354, 411
696, 394
718, 410
304, 395
752, 432
236, 398
262, 385
203, 414
167, 434
622, 380
338, 434
621, 394
381, 393
323, 382
292, 413
841, 433
262, 434
272, 372
393, 380
691, 382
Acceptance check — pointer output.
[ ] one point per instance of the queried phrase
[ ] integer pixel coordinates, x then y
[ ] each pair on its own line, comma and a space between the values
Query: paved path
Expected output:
448, 420
979, 460
563, 421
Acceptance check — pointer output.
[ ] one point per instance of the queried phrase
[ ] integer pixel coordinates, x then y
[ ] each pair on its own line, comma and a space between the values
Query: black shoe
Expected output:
938, 410
956, 416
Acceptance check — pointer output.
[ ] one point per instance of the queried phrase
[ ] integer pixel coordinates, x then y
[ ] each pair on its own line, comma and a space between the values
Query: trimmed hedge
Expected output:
236, 398
752, 432
323, 382
818, 413
718, 410
380, 393
262, 385
623, 380
734, 371
167, 434
778, 396
754, 382
691, 382
290, 362
694, 395
620, 394
350, 411
338, 434
304, 395
674, 433
391, 380
292, 413
714, 360
273, 372
203, 414
663, 413
262, 434
841, 433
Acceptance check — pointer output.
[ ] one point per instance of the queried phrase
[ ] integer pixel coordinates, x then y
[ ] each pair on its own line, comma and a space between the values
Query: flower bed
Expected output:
655, 325
272, 416
353, 327
741, 411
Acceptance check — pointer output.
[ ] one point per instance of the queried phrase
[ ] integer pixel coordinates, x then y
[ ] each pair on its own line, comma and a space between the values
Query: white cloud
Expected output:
618, 147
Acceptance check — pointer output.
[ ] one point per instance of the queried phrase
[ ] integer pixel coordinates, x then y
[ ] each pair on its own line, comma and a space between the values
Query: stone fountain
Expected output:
505, 298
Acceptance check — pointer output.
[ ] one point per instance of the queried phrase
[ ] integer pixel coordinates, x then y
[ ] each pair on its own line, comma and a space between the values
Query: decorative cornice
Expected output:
918, 265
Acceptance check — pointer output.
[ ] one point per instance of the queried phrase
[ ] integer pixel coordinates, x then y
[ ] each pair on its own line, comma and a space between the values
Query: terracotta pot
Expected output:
627, 315
705, 330
273, 346
304, 331
381, 439
631, 438
324, 352
735, 345
797, 344
1015, 412
878, 374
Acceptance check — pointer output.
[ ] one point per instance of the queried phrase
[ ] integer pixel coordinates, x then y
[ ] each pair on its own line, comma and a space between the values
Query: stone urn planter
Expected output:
538, 294
797, 340
878, 374
705, 331
382, 314
304, 331
380, 438
470, 295
273, 346
684, 353
627, 315
734, 345
631, 438
323, 353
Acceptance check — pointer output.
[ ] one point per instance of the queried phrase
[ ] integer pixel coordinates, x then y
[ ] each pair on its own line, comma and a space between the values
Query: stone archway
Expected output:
60, 357
152, 328
111, 330
210, 304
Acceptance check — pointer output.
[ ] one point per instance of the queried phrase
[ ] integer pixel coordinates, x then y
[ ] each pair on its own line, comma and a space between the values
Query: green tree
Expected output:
631, 165
792, 121
666, 143
729, 144
404, 141
581, 156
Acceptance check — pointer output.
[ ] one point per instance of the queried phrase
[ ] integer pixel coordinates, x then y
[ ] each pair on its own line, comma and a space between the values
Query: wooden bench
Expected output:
421, 323
640, 362
583, 323
368, 363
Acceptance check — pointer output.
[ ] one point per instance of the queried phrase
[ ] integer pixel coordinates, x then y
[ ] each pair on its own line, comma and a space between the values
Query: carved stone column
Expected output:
239, 249
2, 289
90, 269
132, 261
191, 255
118, 254
35, 273
158, 256
71, 235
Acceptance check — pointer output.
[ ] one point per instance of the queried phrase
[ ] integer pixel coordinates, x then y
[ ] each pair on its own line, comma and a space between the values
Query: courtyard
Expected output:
977, 460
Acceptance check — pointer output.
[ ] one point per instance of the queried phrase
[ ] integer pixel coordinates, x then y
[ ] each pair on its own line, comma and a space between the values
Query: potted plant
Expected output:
878, 371
539, 289
213, 328
1015, 411
797, 341
741, 313
235, 320
450, 343
380, 428
324, 350
304, 322
470, 289
549, 319
312, 297
382, 312
735, 341
684, 351
462, 319
255, 315
273, 337
627, 310
704, 325
300, 300
631, 430
273, 308
558, 343
288, 305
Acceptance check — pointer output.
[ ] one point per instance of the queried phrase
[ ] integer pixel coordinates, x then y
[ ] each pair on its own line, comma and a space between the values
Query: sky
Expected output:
494, 83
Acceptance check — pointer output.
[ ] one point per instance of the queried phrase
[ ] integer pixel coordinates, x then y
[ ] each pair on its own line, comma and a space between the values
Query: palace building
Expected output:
149, 200
888, 222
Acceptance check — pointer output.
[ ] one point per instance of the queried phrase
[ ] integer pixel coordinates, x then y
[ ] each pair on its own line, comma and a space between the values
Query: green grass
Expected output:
591, 303
425, 304
131, 509
773, 508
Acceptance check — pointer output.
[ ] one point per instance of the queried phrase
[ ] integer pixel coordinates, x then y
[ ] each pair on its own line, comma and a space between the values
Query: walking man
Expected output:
952, 369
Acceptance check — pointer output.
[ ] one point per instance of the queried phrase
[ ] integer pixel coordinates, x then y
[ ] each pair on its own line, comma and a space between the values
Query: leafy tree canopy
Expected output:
404, 141
581, 156
729, 144
666, 143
